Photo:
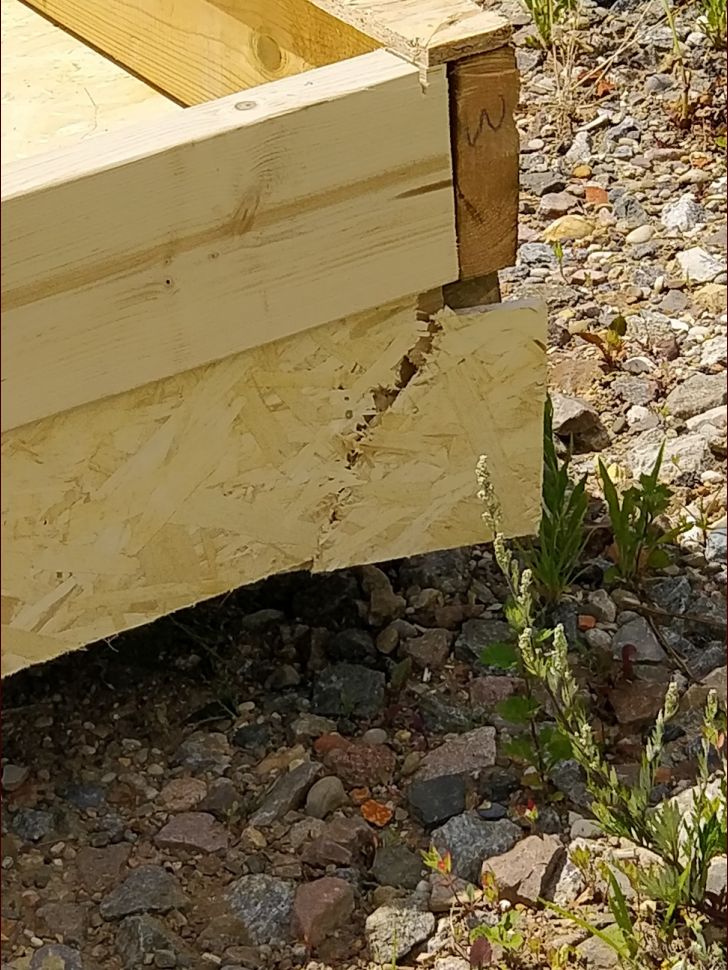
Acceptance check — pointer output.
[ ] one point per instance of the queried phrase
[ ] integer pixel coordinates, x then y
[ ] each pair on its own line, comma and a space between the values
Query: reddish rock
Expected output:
195, 831
329, 742
320, 908
182, 794
431, 649
467, 754
637, 702
489, 691
523, 873
343, 842
100, 869
362, 764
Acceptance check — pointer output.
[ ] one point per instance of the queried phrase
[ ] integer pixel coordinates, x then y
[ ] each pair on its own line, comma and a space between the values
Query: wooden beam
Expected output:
311, 452
199, 50
141, 254
426, 32
483, 98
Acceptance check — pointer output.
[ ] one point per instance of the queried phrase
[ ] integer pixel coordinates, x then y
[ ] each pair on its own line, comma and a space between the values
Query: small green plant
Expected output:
548, 14
504, 934
684, 841
558, 251
609, 342
639, 538
554, 558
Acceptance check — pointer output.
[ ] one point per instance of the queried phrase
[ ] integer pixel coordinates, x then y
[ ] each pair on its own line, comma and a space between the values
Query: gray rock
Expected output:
715, 545
444, 717
396, 865
84, 797
14, 776
325, 796
287, 793
466, 755
687, 453
252, 736
394, 930
659, 83
672, 593
148, 889
32, 824
597, 955
141, 937
699, 393
601, 606
629, 211
264, 905
55, 956
351, 646
698, 266
349, 690
638, 633
578, 420
203, 751
540, 183
683, 214
580, 149
449, 570
569, 777
536, 254
470, 840
634, 390
555, 204
717, 873
436, 800
476, 635
312, 726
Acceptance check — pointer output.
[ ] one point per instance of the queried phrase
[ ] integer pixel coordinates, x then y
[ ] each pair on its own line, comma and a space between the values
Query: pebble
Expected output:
639, 235
684, 214
325, 796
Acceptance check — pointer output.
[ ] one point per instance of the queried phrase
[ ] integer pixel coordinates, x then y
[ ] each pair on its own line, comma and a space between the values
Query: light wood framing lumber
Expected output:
199, 50
56, 91
142, 254
312, 451
484, 92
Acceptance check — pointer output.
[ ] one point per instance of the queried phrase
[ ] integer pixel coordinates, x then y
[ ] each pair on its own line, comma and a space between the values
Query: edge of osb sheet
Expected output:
350, 443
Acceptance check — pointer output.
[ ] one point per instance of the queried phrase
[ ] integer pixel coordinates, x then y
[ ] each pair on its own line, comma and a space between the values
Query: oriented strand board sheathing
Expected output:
311, 451
57, 92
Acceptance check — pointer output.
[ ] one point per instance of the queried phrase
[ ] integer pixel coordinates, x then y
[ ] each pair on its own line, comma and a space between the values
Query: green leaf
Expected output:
500, 655
517, 710
611, 936
520, 749
658, 559
618, 325
556, 744
618, 906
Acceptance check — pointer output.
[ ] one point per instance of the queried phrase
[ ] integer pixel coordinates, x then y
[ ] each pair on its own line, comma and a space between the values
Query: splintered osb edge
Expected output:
319, 451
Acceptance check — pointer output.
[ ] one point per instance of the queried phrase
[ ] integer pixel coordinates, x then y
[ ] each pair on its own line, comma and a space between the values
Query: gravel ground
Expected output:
250, 783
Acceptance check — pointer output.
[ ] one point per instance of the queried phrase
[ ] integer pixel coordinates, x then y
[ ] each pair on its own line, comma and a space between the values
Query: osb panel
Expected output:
317, 451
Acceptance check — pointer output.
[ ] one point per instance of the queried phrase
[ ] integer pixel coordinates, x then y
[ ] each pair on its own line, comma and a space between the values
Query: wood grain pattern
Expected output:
56, 91
426, 32
309, 452
483, 100
161, 248
199, 50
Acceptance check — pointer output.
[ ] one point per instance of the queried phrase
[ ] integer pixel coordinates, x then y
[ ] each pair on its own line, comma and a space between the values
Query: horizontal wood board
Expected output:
199, 50
307, 452
160, 248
